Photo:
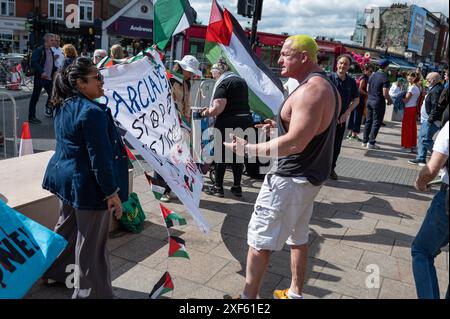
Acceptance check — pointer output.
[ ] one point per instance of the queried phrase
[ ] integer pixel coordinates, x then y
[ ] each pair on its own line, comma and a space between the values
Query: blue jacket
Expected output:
38, 58
90, 161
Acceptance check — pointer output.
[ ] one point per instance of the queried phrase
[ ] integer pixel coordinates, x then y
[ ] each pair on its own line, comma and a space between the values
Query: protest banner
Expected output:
27, 249
140, 98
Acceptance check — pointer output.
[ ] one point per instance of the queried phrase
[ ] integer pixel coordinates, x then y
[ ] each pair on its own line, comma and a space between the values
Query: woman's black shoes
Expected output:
216, 191
236, 191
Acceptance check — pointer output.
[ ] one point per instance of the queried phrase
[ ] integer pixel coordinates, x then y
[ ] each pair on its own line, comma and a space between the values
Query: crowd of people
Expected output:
88, 171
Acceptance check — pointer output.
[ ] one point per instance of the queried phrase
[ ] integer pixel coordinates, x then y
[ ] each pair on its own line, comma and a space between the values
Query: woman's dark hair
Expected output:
368, 67
415, 76
65, 83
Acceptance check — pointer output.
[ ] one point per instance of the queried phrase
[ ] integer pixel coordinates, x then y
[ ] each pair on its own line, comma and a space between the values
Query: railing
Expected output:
8, 96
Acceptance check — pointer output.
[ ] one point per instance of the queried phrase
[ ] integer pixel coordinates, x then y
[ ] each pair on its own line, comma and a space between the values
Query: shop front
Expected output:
133, 34
13, 36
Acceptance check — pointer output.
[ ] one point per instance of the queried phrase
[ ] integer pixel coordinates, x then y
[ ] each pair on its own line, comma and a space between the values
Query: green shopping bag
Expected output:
133, 215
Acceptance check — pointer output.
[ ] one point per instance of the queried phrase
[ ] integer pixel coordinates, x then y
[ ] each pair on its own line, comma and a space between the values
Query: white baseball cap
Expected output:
191, 64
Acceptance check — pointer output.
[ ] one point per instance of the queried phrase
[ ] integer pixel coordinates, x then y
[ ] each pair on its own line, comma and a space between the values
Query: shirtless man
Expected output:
303, 149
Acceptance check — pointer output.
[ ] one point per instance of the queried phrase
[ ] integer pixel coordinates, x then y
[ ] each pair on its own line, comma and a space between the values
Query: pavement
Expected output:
362, 225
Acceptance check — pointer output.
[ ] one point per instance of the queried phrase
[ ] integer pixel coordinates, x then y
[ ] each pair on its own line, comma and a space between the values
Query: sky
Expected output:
330, 18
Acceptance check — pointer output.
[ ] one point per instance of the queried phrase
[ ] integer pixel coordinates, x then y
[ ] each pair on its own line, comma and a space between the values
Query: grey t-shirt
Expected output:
48, 66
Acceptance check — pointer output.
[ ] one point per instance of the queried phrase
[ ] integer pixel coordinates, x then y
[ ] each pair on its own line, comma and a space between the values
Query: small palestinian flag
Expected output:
105, 63
158, 187
174, 75
184, 123
170, 217
130, 155
163, 286
177, 248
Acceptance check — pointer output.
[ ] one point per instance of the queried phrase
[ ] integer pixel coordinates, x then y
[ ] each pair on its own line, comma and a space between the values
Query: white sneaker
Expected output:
373, 147
165, 198
364, 145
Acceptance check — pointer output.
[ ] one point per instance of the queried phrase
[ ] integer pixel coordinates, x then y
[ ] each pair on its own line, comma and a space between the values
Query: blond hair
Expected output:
301, 42
69, 51
117, 51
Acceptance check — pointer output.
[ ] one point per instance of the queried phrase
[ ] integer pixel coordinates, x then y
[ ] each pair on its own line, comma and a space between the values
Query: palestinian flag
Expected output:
163, 286
225, 37
158, 187
170, 217
177, 248
105, 63
130, 155
174, 75
170, 17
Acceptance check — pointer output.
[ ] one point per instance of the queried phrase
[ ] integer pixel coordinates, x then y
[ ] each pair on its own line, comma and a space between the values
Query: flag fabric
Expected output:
225, 37
163, 286
26, 143
158, 187
130, 155
177, 247
174, 75
170, 217
170, 17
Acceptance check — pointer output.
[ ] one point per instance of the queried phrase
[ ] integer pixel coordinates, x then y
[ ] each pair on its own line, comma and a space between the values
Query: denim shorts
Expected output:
281, 213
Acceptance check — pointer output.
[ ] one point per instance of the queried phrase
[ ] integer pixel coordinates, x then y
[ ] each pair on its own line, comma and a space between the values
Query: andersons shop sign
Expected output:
132, 27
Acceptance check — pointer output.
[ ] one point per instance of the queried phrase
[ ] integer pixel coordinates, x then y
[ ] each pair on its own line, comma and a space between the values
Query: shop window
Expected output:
56, 9
86, 10
8, 8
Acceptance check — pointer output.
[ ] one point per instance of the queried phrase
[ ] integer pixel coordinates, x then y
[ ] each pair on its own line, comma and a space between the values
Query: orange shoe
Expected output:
281, 294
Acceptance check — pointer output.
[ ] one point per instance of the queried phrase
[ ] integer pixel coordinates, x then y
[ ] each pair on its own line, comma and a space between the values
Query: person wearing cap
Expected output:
378, 94
230, 106
188, 67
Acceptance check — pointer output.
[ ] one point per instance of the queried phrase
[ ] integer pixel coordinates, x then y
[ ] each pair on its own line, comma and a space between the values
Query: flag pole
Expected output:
172, 44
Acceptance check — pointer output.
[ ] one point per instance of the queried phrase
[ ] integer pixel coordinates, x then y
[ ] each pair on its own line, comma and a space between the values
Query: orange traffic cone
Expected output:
26, 144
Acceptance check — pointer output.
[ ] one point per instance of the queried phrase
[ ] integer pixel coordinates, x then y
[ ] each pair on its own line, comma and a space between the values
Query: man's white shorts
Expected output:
282, 213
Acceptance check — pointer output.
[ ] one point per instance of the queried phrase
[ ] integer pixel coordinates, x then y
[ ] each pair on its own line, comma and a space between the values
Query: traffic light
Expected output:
29, 23
246, 8
249, 8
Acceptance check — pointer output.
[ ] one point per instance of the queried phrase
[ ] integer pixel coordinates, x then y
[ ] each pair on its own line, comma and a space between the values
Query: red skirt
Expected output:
409, 128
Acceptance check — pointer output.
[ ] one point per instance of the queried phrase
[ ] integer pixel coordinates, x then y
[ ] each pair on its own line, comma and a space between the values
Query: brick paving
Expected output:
368, 217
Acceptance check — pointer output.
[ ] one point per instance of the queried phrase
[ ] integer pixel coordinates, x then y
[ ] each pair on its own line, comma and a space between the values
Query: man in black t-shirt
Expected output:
378, 93
346, 85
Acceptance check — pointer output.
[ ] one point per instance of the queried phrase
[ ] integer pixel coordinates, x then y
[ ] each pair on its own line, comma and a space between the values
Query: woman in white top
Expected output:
409, 127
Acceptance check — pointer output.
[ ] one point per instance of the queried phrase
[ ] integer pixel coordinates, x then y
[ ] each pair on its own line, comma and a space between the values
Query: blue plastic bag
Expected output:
27, 249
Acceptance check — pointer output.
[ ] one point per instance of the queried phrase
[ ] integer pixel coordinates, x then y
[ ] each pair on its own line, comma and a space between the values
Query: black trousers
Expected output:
39, 84
340, 131
374, 118
354, 121
236, 163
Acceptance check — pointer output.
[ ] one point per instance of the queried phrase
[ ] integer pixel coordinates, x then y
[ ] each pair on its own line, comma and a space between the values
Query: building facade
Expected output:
412, 32
14, 36
130, 24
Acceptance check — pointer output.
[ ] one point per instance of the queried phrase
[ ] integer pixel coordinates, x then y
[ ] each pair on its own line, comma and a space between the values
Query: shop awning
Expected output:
400, 63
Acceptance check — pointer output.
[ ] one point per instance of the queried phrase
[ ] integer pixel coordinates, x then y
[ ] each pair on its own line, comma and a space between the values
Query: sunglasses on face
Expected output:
98, 77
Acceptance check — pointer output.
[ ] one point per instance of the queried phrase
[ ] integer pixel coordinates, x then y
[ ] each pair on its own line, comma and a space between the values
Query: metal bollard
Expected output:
15, 117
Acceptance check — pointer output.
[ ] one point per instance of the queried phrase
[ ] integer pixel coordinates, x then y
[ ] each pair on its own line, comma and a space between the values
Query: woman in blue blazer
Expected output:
89, 174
